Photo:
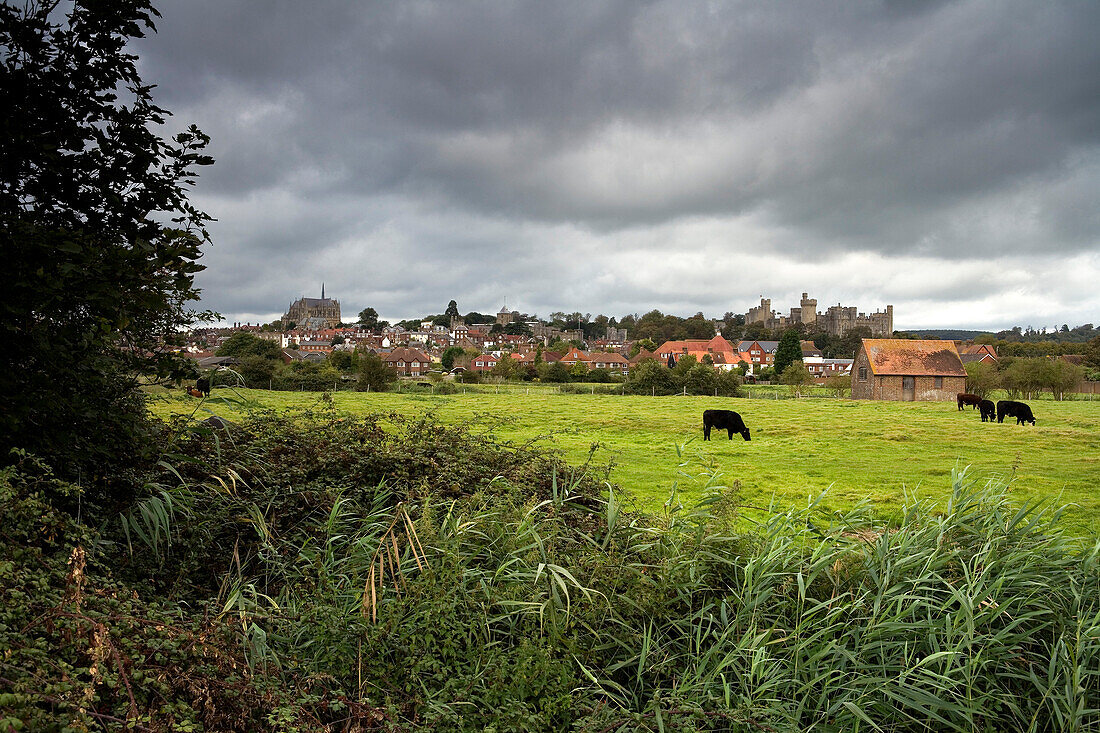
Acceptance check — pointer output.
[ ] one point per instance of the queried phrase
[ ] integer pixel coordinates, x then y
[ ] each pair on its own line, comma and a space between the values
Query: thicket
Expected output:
653, 377
1024, 378
319, 571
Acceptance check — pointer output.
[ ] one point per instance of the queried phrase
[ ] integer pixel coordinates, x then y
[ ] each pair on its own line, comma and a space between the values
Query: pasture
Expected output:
854, 451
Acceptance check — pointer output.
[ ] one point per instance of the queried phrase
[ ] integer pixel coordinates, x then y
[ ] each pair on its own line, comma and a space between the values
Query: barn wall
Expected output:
862, 390
889, 388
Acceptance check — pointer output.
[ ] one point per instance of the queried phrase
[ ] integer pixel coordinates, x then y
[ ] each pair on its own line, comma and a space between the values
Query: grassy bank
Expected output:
852, 450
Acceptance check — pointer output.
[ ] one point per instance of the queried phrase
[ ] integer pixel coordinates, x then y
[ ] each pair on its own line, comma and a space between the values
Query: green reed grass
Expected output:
564, 607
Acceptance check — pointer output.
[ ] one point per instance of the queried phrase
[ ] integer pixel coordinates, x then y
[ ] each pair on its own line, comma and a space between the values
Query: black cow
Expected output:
989, 410
202, 384
1018, 410
724, 420
968, 399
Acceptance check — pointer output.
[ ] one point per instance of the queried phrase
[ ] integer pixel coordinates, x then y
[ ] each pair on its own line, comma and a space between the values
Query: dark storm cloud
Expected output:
485, 147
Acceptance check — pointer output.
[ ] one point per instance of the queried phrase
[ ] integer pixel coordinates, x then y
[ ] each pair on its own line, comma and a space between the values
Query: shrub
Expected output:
651, 377
519, 594
374, 374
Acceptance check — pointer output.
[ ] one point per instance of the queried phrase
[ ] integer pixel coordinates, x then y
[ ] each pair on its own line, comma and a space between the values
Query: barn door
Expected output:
908, 388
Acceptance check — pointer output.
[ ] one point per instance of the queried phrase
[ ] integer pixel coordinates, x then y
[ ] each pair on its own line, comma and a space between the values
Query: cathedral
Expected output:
314, 313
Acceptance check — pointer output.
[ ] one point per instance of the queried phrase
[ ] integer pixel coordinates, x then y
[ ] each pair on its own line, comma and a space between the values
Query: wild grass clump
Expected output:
386, 573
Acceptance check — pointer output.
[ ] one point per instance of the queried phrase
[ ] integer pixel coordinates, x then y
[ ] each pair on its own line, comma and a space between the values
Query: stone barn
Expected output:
907, 370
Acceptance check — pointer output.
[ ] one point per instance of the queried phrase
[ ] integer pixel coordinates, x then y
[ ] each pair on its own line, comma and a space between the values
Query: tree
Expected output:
981, 378
650, 377
556, 372
506, 368
368, 318
700, 379
684, 365
850, 342
452, 311
728, 383
243, 344
517, 328
1092, 353
374, 374
1024, 377
796, 376
640, 344
343, 360
1063, 377
101, 243
788, 352
257, 371
839, 384
449, 355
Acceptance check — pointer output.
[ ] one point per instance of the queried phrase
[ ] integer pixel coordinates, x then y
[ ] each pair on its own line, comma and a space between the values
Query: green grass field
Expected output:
852, 450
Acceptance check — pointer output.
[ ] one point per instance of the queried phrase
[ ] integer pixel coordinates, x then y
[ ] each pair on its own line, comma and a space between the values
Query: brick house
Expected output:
977, 352
757, 354
907, 370
483, 363
318, 347
408, 362
721, 352
608, 360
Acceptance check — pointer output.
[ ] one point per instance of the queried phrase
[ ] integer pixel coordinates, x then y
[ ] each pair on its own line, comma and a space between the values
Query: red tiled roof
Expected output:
914, 357
697, 347
406, 355
607, 357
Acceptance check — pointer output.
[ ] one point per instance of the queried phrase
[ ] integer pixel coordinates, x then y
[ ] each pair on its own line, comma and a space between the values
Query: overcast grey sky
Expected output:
614, 157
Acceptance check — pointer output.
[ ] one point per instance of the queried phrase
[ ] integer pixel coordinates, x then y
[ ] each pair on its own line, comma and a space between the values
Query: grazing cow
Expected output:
989, 410
194, 392
1018, 410
724, 420
202, 384
968, 399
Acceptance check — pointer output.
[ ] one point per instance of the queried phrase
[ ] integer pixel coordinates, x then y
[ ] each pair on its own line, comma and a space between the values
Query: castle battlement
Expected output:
837, 320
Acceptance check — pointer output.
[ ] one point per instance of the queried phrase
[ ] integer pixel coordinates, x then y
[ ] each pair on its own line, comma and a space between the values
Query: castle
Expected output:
837, 320
314, 313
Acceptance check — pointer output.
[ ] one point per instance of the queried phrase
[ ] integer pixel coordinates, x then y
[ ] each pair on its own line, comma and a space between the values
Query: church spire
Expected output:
322, 290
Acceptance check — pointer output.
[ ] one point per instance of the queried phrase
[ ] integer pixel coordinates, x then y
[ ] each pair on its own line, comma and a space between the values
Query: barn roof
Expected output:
914, 357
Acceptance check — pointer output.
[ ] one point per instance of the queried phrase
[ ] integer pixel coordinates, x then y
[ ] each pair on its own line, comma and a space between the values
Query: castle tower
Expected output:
809, 309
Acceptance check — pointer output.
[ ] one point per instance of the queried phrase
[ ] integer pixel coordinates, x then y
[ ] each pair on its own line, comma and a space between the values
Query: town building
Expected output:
721, 352
757, 354
307, 313
611, 361
408, 362
907, 370
976, 352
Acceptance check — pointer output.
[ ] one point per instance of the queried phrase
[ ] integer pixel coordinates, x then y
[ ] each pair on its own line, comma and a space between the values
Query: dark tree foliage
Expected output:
368, 318
788, 352
100, 242
449, 355
452, 310
245, 344
375, 375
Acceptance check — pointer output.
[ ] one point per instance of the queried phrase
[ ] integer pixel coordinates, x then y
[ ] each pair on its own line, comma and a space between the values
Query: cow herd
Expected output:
1003, 408
732, 422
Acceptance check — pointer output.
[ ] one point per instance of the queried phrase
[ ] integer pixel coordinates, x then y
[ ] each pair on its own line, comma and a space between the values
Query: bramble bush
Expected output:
318, 571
